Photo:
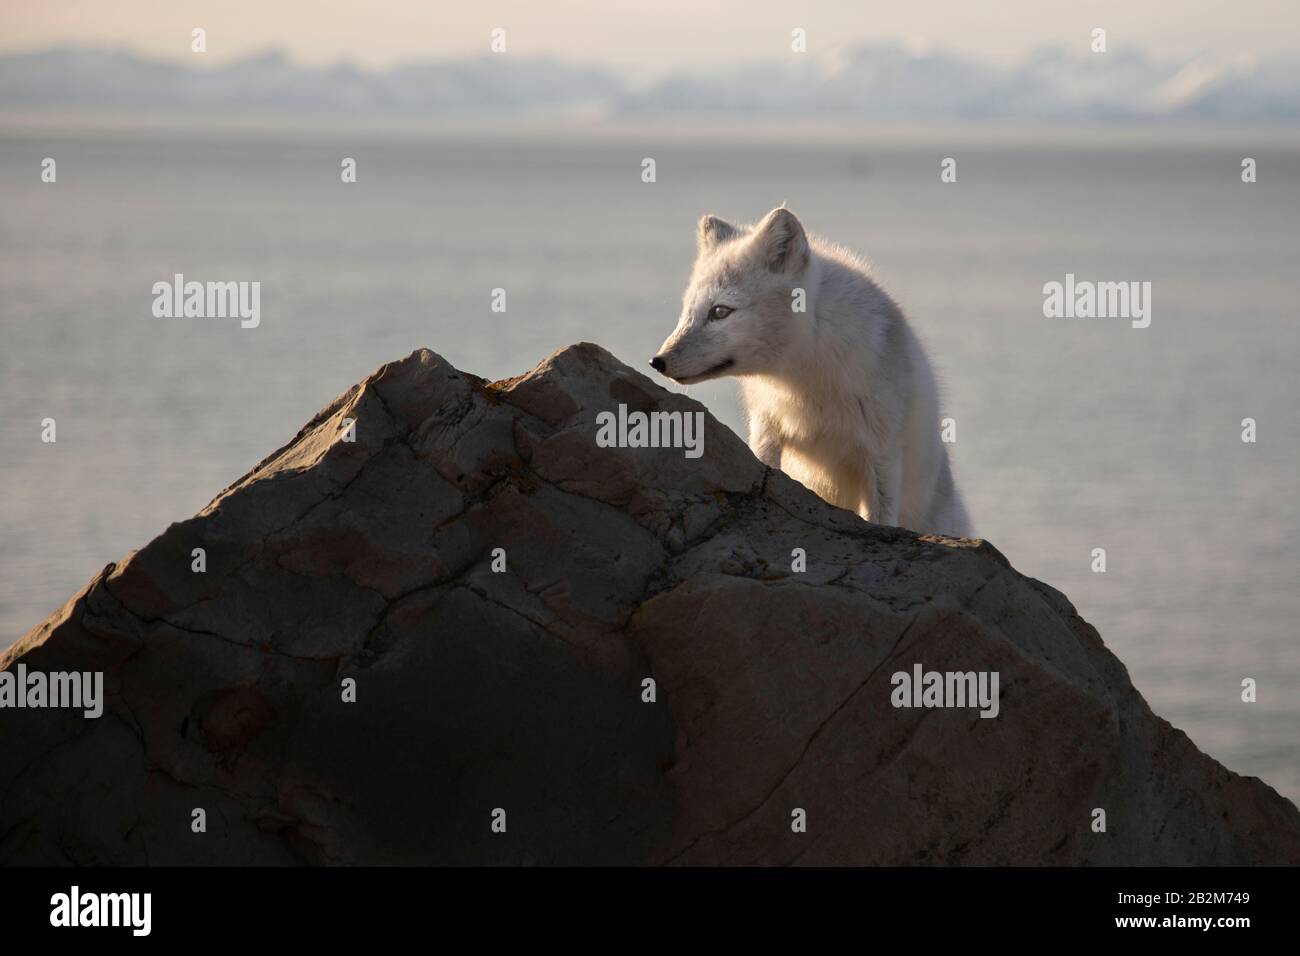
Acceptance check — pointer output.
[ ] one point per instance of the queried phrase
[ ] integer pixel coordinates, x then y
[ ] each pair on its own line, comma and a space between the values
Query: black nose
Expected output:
657, 364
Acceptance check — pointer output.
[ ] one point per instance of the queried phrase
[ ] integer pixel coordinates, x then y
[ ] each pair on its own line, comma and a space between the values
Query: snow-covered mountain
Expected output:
871, 82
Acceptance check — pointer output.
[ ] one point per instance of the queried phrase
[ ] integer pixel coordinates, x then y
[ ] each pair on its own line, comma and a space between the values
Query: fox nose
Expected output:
658, 364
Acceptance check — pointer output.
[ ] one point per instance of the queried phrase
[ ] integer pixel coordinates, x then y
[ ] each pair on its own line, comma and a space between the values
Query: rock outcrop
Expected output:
525, 690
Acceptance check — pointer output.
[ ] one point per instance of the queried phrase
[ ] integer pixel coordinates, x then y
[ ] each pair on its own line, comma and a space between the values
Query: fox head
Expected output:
736, 312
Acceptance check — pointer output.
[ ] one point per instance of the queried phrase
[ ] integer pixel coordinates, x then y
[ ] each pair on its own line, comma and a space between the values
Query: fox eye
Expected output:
720, 312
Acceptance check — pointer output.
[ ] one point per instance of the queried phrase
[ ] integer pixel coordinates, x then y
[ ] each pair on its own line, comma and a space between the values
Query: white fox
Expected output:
839, 395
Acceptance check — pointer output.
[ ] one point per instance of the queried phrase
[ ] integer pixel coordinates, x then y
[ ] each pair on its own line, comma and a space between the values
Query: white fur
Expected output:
841, 397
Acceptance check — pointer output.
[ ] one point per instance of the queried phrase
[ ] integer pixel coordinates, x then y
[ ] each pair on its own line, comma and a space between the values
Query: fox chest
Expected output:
821, 430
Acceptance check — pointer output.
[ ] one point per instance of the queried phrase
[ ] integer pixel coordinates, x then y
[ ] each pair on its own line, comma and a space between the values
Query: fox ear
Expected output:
713, 230
780, 241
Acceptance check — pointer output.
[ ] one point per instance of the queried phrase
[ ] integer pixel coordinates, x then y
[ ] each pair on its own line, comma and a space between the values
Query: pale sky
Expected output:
645, 37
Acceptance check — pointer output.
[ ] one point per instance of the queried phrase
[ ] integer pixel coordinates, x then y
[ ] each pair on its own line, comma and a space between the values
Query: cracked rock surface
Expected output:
371, 560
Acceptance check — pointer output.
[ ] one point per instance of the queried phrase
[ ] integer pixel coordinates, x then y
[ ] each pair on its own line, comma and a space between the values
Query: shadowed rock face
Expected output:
371, 560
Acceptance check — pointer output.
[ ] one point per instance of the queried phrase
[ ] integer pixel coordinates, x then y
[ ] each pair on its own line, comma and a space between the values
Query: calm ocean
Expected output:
1071, 434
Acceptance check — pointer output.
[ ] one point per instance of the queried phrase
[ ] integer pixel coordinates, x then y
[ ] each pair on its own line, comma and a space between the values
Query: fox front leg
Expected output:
884, 481
764, 442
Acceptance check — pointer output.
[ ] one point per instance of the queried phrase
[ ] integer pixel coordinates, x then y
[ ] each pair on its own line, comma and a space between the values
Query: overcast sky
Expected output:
642, 37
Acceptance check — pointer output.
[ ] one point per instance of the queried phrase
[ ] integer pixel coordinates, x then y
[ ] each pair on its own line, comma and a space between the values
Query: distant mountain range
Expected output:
871, 82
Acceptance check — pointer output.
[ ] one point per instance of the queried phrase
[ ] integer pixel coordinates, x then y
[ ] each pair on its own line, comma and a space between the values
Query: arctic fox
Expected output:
839, 393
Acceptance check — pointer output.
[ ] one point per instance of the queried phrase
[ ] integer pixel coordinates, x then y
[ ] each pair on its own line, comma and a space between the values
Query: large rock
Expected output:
475, 690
